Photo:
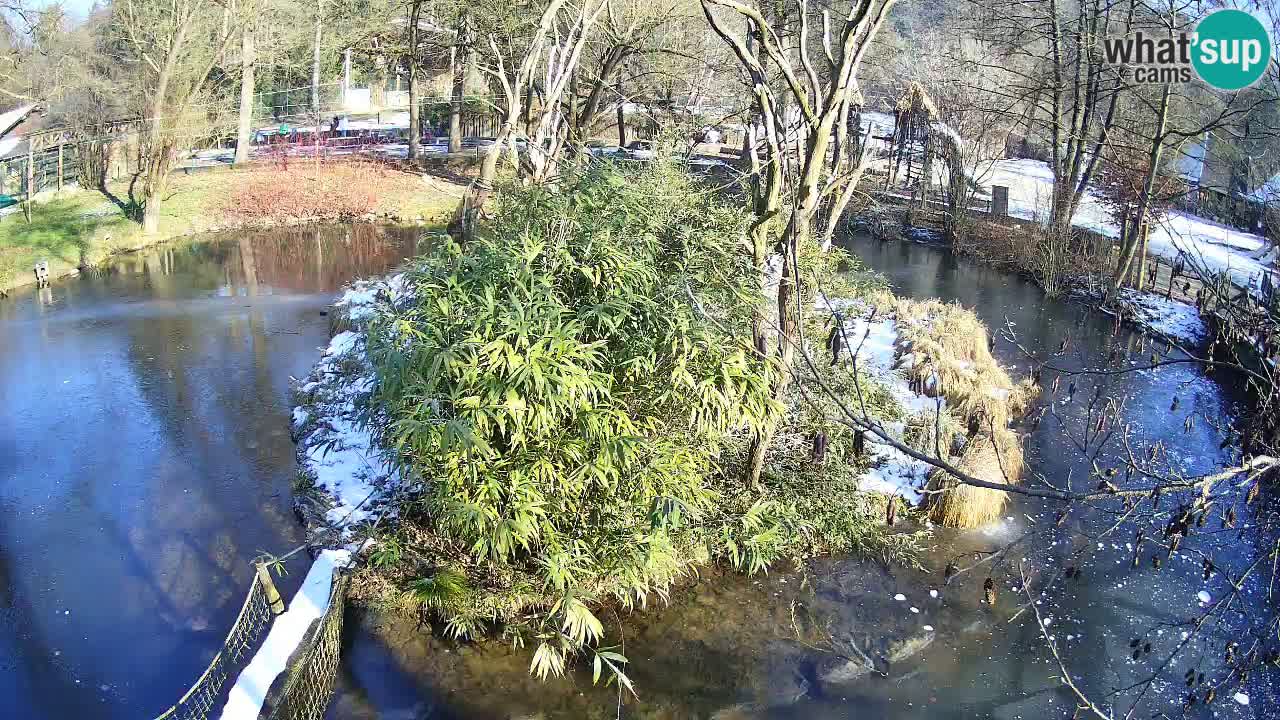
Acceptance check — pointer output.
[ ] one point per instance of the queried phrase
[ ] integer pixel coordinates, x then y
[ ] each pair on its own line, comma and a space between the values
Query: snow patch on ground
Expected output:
336, 447
873, 343
1203, 244
250, 690
1171, 318
15, 116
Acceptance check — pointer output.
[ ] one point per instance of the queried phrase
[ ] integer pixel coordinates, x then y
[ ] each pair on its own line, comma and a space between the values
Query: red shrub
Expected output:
306, 190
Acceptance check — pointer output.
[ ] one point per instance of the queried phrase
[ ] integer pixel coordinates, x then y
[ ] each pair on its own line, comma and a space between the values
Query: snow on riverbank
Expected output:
1203, 244
875, 342
337, 450
308, 605
1173, 319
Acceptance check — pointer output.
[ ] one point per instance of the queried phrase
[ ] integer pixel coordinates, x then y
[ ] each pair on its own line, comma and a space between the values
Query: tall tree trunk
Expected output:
622, 114
798, 227
244, 132
315, 60
1140, 272
1144, 201
458, 59
158, 148
415, 126
152, 190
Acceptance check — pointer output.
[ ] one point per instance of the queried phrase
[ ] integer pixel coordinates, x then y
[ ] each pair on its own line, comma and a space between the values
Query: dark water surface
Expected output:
735, 647
145, 458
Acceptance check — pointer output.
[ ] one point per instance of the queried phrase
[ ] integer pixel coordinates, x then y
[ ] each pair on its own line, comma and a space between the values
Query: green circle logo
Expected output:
1232, 49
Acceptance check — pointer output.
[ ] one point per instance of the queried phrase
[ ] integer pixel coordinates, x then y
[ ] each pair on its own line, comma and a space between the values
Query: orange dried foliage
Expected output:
313, 191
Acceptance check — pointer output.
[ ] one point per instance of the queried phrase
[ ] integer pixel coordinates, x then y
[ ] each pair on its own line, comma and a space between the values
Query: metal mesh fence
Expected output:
50, 170
308, 689
202, 700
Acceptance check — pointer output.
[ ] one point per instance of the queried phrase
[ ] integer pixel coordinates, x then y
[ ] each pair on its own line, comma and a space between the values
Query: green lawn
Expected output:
73, 230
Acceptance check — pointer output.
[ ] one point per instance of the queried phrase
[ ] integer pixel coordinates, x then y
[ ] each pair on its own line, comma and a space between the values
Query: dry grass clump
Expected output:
309, 191
339, 319
945, 350
1054, 262
950, 355
994, 459
346, 189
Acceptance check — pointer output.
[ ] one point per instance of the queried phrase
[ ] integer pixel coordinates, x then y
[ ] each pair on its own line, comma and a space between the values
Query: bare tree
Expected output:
174, 48
806, 109
1054, 73
513, 54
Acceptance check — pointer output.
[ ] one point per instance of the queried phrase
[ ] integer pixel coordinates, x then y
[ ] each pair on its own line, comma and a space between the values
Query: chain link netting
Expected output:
49, 170
203, 698
307, 692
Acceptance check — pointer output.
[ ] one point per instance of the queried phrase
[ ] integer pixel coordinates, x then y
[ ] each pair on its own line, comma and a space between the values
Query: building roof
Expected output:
13, 118
1267, 192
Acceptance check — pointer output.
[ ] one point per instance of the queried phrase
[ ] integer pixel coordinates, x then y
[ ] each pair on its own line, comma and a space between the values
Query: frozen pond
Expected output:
145, 458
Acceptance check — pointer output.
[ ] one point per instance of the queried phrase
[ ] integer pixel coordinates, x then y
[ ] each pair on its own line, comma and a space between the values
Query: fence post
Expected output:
31, 170
60, 146
999, 200
268, 585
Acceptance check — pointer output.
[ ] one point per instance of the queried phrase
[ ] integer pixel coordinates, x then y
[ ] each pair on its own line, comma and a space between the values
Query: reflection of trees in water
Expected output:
316, 259
298, 259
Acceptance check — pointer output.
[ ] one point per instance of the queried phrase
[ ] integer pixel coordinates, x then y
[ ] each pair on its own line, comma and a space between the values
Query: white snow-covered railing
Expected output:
200, 700
306, 692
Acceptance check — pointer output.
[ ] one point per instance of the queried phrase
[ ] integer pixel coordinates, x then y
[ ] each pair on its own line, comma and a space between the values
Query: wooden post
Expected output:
622, 116
60, 146
31, 170
999, 200
269, 587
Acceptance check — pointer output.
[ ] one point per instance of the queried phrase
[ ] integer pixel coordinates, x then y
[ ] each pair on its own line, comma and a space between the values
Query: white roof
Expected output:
14, 116
1268, 191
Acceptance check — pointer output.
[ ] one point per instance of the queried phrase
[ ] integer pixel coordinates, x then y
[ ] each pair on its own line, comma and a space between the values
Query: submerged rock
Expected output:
741, 711
789, 676
838, 670
905, 648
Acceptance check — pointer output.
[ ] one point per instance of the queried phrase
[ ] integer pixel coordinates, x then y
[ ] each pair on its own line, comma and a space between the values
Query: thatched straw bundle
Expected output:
950, 356
915, 100
994, 459
946, 351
